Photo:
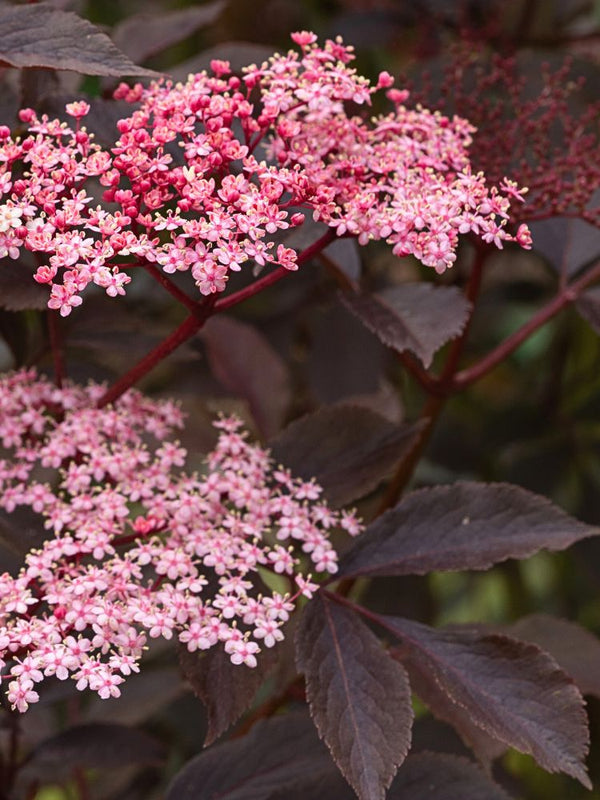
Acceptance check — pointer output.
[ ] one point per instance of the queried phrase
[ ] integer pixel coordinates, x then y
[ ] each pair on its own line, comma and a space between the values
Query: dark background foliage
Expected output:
532, 421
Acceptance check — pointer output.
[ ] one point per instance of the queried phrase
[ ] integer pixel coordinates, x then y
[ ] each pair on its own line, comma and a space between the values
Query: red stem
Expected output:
471, 294
566, 296
427, 382
437, 399
200, 313
262, 283
185, 331
191, 304
250, 291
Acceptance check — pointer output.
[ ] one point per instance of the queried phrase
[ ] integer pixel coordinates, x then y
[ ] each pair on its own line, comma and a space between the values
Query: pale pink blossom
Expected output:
137, 547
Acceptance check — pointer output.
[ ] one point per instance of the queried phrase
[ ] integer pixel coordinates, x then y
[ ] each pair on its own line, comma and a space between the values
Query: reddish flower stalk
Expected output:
201, 312
405, 178
566, 296
174, 291
273, 277
181, 334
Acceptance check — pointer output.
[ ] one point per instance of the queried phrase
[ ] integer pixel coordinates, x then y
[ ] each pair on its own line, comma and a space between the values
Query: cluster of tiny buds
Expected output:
549, 134
137, 547
183, 188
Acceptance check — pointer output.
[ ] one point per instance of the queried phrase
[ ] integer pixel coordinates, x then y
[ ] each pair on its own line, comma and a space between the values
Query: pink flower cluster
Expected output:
404, 177
138, 548
184, 189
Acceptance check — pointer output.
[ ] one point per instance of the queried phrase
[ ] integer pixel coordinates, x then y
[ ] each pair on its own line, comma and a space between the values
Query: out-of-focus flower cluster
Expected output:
549, 133
184, 189
137, 548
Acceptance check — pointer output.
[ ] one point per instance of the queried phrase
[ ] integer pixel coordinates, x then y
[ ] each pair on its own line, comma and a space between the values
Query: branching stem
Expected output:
200, 313
442, 388
181, 334
273, 277
159, 276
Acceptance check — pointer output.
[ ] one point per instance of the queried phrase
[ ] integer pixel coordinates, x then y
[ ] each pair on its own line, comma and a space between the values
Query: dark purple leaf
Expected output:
437, 776
246, 364
322, 782
343, 253
348, 449
94, 746
344, 358
141, 36
576, 650
385, 402
359, 696
588, 306
418, 317
567, 244
461, 526
41, 36
18, 290
225, 689
273, 758
511, 689
423, 683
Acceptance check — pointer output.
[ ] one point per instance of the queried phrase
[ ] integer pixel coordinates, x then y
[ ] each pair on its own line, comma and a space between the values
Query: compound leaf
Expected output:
224, 688
438, 776
576, 650
272, 760
143, 35
37, 35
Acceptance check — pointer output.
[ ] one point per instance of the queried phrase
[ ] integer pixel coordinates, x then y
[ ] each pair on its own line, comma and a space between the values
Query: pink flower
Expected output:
21, 693
303, 38
78, 109
404, 178
185, 563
